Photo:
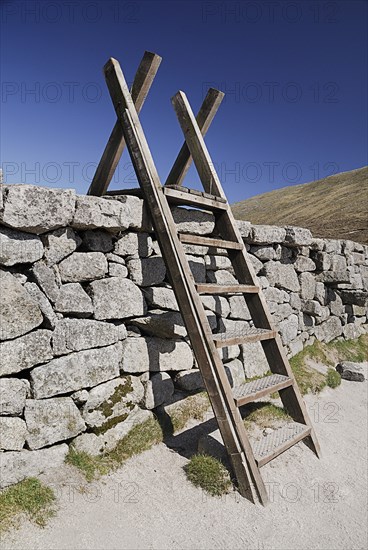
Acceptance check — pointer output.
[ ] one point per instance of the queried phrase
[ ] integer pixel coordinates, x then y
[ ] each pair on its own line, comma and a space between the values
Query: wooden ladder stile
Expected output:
246, 461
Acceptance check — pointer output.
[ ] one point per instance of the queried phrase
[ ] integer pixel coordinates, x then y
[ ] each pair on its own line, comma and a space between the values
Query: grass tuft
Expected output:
141, 438
313, 381
29, 497
264, 414
333, 378
208, 473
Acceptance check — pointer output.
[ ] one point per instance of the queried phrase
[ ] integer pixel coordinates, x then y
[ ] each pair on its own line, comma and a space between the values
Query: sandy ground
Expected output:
149, 504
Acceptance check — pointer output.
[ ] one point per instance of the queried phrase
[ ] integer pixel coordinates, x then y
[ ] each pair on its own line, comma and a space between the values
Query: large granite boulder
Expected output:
37, 209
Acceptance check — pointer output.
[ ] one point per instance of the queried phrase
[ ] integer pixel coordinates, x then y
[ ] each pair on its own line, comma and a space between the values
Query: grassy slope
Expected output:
335, 207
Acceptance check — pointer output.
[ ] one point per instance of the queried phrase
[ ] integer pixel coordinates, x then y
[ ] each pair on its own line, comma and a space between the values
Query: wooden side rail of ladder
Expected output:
225, 401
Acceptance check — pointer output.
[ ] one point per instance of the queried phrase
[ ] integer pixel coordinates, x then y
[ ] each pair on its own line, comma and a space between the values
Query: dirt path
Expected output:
148, 504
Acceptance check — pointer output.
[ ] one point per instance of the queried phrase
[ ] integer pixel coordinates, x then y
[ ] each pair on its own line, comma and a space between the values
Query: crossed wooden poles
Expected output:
142, 83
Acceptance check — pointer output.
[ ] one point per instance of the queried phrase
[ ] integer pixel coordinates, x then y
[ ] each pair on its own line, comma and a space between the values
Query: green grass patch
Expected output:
333, 378
208, 473
312, 381
141, 438
264, 414
350, 350
308, 379
29, 497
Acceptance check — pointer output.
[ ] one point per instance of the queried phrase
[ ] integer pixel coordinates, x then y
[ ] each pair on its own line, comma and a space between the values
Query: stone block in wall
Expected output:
333, 277
98, 444
117, 298
158, 389
59, 244
73, 300
254, 359
46, 278
303, 263
25, 352
338, 263
18, 465
321, 293
281, 275
288, 329
163, 324
13, 433
264, 253
82, 369
307, 286
51, 420
50, 317
214, 262
13, 393
110, 403
100, 213
147, 271
265, 234
138, 245
276, 295
135, 214
322, 260
333, 246
196, 222
197, 267
295, 301
235, 372
189, 380
78, 334
352, 331
295, 347
17, 247
358, 258
155, 354
19, 313
281, 312
244, 228
238, 308
334, 302
217, 304
83, 267
161, 297
329, 330
117, 270
356, 297
198, 250
97, 240
298, 236
221, 277
37, 209
228, 353
256, 263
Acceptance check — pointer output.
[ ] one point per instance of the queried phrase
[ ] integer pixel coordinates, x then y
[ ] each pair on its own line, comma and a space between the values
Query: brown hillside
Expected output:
335, 207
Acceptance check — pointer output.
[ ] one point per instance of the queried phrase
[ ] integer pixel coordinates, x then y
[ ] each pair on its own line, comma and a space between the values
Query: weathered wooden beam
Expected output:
143, 80
205, 116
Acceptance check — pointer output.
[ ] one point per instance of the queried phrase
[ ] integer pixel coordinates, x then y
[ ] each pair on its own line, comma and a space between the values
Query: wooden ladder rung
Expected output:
192, 197
275, 443
251, 391
209, 241
213, 288
248, 335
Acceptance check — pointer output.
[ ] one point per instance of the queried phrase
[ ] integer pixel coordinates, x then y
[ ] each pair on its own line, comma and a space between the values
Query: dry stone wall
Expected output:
91, 338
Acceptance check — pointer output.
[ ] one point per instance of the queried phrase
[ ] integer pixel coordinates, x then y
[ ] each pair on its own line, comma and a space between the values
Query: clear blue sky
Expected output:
294, 74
